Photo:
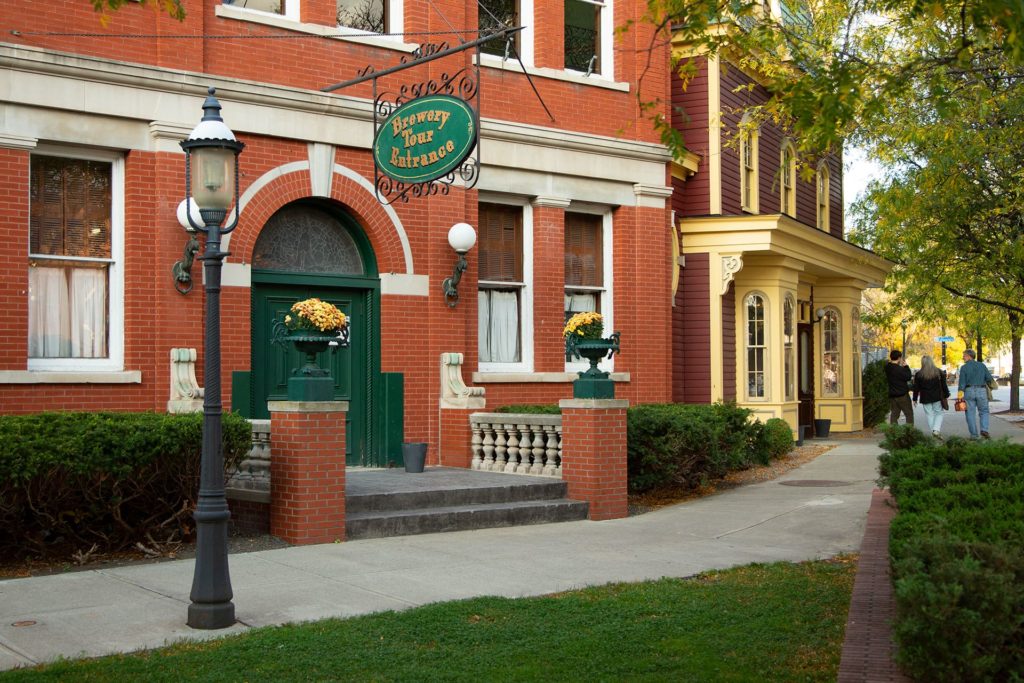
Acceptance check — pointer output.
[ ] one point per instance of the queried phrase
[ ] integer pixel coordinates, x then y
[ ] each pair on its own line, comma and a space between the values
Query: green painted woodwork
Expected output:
590, 387
392, 417
273, 363
241, 393
425, 138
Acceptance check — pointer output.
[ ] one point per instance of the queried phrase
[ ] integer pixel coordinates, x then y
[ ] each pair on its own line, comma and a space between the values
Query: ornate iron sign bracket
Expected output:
463, 83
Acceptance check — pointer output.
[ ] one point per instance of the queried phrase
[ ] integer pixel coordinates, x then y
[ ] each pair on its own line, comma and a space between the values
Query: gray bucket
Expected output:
415, 456
801, 432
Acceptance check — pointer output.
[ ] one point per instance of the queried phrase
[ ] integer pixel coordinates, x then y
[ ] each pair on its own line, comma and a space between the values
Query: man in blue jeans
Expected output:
974, 378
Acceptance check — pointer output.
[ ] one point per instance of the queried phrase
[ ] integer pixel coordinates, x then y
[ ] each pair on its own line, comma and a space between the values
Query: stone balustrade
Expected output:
517, 443
252, 478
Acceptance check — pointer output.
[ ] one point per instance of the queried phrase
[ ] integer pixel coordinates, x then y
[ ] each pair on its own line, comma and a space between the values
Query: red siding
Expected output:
729, 344
691, 333
690, 115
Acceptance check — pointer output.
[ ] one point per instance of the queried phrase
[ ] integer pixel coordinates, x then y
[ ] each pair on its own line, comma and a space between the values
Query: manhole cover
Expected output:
823, 483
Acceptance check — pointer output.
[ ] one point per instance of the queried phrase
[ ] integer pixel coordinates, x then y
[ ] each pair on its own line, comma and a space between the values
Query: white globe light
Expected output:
462, 237
196, 216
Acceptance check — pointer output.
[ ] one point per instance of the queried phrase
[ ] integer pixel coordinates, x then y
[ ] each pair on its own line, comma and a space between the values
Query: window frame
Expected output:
115, 271
526, 355
832, 312
605, 41
855, 346
789, 359
787, 168
607, 294
394, 11
823, 188
749, 146
764, 347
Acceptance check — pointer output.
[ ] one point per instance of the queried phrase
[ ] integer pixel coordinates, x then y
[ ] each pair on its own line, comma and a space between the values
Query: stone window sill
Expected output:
67, 377
535, 377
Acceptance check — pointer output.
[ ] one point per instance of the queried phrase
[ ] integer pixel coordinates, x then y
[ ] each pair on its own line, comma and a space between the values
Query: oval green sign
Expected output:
425, 139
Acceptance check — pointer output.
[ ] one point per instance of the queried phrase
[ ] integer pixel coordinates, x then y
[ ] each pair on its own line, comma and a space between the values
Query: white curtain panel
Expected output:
49, 333
581, 303
483, 324
88, 313
505, 327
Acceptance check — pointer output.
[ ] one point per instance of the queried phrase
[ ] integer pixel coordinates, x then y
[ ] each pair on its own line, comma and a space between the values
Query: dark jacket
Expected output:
899, 379
931, 390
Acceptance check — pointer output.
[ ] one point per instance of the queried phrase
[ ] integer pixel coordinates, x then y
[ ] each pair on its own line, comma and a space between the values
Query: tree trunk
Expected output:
979, 359
1015, 362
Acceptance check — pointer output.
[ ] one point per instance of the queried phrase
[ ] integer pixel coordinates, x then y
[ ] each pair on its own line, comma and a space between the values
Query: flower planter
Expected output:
593, 383
310, 382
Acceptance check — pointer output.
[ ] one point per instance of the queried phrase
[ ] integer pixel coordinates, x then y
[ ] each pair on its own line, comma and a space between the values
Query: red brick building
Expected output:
571, 210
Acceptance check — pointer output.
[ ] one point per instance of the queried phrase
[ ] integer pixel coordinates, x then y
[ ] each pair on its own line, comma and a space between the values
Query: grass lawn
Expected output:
778, 622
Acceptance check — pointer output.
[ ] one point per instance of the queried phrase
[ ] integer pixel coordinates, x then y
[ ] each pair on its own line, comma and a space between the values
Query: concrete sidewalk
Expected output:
797, 517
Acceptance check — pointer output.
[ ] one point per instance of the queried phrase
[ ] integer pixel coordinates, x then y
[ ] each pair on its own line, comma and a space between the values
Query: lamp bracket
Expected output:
451, 284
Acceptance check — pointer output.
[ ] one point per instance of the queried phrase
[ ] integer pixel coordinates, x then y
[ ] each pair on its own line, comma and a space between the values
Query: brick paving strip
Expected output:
868, 648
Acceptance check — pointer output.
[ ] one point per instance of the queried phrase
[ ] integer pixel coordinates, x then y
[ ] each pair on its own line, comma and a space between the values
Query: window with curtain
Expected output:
748, 166
585, 24
584, 263
496, 14
788, 172
273, 6
855, 350
500, 283
830, 353
756, 346
70, 257
822, 181
788, 339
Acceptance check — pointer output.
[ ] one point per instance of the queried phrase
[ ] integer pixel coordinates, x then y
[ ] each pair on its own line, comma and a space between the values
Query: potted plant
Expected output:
312, 326
582, 334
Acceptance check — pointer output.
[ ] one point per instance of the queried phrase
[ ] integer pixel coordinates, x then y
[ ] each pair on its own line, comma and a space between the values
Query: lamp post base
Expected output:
210, 616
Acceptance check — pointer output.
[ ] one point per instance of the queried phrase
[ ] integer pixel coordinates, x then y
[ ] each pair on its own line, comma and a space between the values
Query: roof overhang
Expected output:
818, 253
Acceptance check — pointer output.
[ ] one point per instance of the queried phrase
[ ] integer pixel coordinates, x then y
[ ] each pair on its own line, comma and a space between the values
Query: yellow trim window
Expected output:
788, 171
823, 196
757, 347
788, 338
855, 349
831, 362
748, 166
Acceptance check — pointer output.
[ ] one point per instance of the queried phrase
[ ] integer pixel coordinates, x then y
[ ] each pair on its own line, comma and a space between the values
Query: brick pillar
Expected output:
549, 34
307, 471
549, 282
594, 454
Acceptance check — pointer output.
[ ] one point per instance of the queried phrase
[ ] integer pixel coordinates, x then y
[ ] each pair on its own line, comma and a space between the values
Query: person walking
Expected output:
931, 389
899, 375
973, 387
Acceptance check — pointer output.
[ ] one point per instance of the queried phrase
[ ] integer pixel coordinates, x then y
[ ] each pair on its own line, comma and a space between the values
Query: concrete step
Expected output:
384, 523
512, 492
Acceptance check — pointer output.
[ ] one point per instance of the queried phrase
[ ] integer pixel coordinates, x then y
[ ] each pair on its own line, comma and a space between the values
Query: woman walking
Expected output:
930, 388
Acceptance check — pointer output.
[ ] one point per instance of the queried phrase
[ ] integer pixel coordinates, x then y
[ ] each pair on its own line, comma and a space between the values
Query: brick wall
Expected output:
594, 460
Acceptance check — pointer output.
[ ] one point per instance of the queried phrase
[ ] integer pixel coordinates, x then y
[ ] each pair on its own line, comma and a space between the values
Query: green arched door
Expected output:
313, 249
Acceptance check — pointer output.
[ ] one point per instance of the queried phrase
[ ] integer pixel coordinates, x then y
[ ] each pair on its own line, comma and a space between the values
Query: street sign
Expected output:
945, 339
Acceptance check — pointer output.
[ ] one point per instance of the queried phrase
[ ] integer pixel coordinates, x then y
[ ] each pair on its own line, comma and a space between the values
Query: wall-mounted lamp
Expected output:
461, 237
182, 270
819, 315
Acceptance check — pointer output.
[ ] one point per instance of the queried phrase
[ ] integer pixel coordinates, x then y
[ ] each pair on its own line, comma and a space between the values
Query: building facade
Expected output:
767, 308
571, 205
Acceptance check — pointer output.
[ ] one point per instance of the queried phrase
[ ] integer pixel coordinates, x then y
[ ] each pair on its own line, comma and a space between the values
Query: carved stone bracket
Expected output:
731, 264
186, 394
454, 392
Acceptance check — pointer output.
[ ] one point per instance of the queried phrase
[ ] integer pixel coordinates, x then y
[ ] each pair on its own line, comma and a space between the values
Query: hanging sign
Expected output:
425, 139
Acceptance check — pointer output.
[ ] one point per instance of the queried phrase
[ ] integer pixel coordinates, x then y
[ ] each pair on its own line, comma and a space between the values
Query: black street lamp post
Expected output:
211, 181
903, 324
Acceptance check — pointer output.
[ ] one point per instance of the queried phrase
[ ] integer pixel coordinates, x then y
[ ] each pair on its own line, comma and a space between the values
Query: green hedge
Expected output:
531, 409
957, 550
686, 445
71, 480
876, 393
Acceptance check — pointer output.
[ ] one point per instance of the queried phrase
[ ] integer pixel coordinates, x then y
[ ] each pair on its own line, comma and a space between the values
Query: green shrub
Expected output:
876, 393
778, 437
957, 549
531, 409
685, 445
71, 480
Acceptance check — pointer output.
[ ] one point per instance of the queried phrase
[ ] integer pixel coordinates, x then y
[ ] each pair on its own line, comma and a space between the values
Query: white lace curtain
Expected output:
580, 303
67, 316
498, 326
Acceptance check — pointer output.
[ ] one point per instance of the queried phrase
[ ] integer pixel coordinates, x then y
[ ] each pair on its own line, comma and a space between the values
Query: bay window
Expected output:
830, 353
757, 350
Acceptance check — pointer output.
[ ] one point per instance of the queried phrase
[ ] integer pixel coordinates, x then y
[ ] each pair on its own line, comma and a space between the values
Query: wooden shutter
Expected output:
70, 207
583, 250
501, 243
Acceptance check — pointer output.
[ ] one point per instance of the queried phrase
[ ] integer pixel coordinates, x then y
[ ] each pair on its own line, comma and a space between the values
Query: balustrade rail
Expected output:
517, 443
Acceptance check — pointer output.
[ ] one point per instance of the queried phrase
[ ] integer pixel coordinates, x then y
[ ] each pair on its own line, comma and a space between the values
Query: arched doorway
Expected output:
314, 248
